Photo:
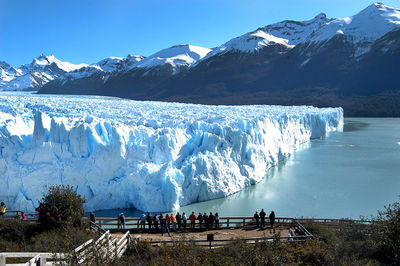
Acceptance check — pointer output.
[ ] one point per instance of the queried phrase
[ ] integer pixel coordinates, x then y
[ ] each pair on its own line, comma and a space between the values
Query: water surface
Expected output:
345, 175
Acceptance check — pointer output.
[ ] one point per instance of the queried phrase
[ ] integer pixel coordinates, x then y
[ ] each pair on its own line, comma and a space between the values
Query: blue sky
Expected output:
90, 30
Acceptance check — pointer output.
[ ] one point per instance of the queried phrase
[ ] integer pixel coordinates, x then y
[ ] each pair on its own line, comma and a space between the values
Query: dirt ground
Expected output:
229, 233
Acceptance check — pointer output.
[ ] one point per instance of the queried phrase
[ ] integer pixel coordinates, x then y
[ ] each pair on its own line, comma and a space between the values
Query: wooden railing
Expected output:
225, 222
104, 247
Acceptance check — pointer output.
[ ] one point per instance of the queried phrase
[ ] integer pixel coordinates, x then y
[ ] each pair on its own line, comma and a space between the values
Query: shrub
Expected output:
61, 207
387, 234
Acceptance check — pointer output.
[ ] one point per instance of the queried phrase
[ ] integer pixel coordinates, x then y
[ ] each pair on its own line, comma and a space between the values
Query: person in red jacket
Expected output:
192, 219
23, 216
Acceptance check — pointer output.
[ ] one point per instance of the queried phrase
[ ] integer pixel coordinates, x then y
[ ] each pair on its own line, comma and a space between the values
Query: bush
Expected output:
387, 234
61, 207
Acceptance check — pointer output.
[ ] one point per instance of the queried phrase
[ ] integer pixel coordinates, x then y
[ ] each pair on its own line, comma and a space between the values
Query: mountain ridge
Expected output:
297, 58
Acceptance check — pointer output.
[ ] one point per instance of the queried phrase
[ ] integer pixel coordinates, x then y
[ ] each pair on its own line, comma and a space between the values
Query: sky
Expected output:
86, 31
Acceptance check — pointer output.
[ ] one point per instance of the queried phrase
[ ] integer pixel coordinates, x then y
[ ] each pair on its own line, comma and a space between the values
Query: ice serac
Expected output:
150, 155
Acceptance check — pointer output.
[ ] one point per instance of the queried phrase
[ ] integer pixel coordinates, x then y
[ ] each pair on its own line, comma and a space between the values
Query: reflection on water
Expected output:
348, 174
354, 125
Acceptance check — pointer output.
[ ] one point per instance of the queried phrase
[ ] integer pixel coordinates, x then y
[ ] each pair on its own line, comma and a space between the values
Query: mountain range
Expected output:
350, 62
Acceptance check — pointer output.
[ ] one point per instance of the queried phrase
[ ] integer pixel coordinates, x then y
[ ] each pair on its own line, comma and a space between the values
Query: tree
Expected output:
61, 207
387, 233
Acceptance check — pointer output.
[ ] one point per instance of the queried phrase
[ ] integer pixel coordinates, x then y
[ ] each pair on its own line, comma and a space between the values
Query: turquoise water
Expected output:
345, 175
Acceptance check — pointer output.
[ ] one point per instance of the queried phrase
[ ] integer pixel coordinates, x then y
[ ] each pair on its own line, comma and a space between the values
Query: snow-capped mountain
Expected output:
176, 56
34, 75
317, 54
361, 29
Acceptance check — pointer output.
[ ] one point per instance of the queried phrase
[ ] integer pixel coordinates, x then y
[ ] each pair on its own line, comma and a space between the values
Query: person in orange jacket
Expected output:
173, 221
192, 219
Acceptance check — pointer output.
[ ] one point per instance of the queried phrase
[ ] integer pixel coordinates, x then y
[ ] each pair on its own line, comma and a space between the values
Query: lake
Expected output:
345, 175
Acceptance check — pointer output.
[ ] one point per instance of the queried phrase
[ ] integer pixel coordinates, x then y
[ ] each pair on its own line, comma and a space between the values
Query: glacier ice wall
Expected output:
149, 155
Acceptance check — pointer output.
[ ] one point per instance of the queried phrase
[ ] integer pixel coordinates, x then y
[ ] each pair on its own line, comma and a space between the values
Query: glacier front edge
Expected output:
149, 155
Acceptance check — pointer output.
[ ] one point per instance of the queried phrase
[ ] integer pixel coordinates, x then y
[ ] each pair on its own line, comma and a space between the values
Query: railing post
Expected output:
244, 222
2, 260
116, 249
99, 223
227, 222
42, 260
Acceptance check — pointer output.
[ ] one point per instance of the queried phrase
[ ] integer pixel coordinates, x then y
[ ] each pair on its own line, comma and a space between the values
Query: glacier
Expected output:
153, 156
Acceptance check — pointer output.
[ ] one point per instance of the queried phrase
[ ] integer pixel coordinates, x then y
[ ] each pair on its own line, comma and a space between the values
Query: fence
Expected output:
104, 248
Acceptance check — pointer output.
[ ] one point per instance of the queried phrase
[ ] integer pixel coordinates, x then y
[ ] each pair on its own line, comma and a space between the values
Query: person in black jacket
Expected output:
262, 216
178, 220
272, 219
211, 220
257, 218
155, 222
200, 218
206, 221
149, 219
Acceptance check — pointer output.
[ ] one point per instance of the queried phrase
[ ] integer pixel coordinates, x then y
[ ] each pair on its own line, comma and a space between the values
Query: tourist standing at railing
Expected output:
206, 221
257, 218
155, 222
216, 220
272, 219
164, 225
262, 216
200, 218
184, 219
143, 221
192, 219
149, 220
173, 221
2, 208
121, 218
23, 216
168, 219
92, 217
211, 219
179, 220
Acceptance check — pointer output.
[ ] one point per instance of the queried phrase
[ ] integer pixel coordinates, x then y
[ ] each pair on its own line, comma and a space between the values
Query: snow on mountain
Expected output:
249, 42
366, 26
177, 56
362, 28
34, 75
150, 155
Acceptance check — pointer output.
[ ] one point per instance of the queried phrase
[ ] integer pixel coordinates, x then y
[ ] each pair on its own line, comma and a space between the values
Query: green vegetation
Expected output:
348, 243
61, 207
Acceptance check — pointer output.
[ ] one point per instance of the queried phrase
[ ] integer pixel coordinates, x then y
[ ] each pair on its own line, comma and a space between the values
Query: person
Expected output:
2, 208
168, 219
272, 219
257, 218
200, 218
179, 220
40, 207
165, 226
92, 217
149, 220
184, 219
262, 216
211, 220
121, 219
143, 221
23, 216
216, 217
192, 219
155, 222
206, 221
173, 221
